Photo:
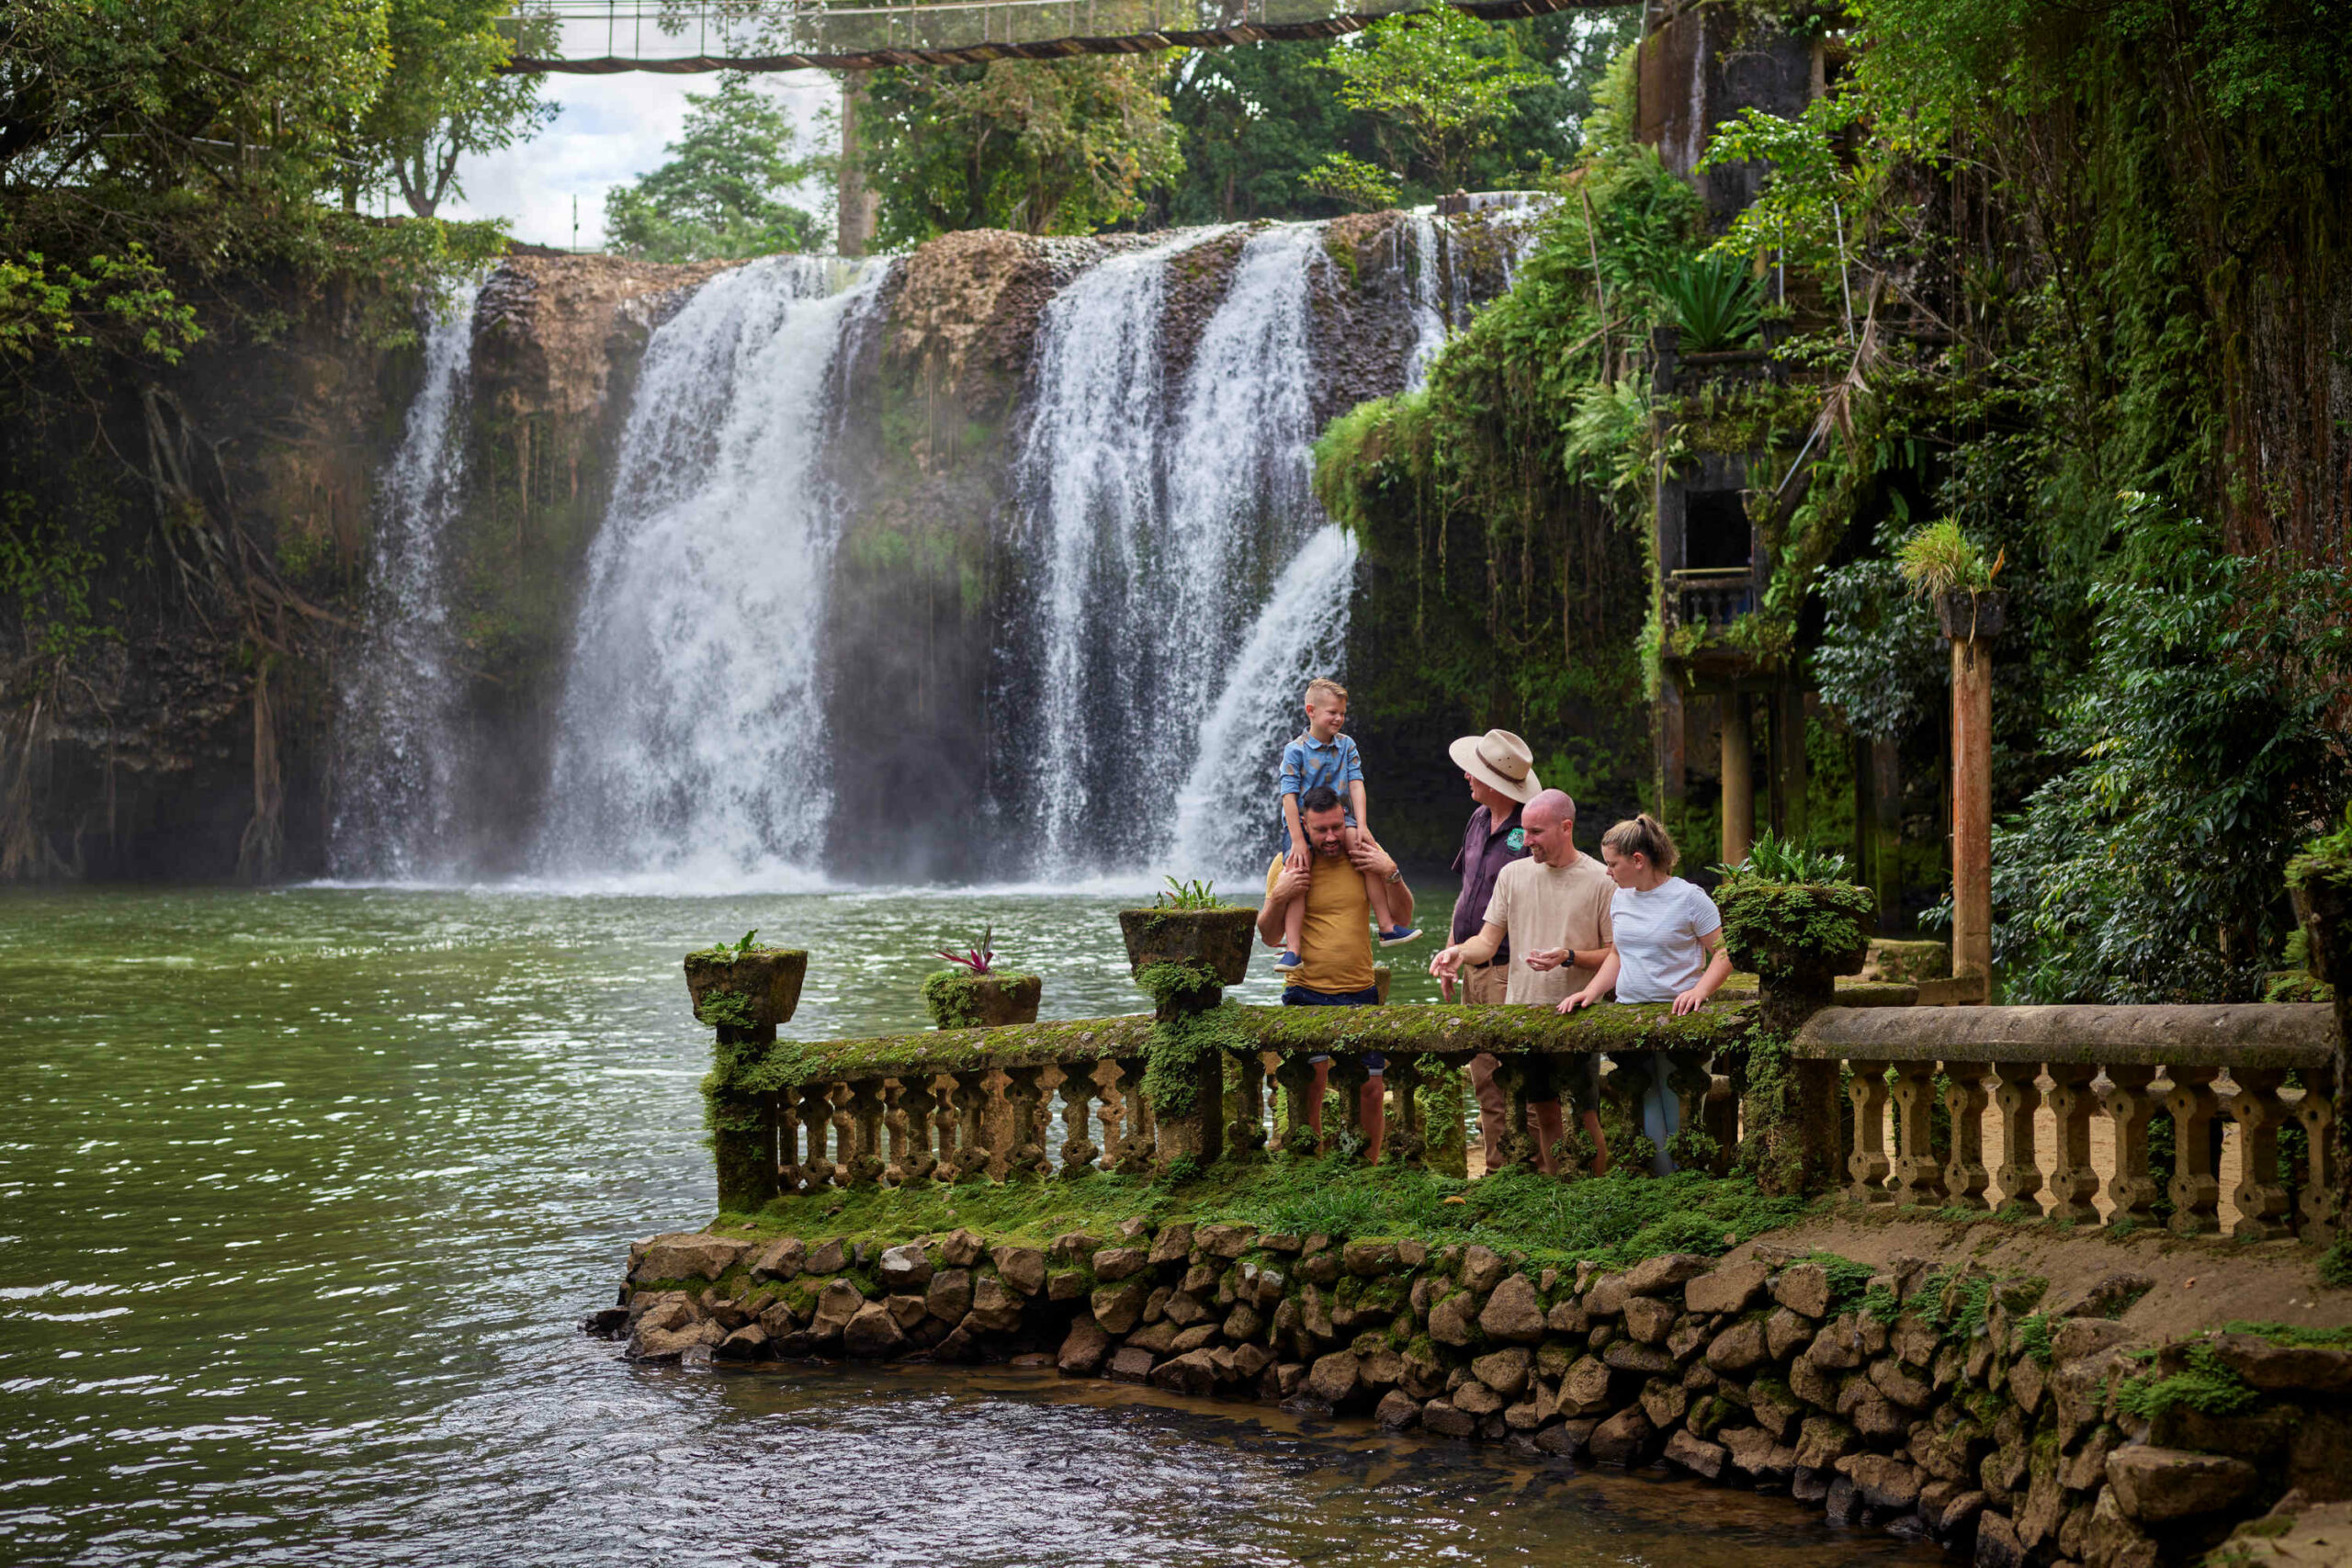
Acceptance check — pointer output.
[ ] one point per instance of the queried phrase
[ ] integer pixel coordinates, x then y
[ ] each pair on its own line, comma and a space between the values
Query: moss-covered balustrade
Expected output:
1798, 1087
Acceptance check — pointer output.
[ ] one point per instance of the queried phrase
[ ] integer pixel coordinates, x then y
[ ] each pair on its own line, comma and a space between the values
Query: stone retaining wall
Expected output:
1948, 1404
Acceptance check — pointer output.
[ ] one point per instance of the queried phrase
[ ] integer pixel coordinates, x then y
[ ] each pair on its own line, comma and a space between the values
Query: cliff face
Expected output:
189, 731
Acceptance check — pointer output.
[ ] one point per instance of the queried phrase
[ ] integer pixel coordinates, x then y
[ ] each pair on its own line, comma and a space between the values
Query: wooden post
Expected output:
858, 207
1971, 622
1739, 782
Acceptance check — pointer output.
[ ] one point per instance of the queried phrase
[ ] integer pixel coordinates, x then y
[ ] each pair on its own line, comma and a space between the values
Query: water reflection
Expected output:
302, 1192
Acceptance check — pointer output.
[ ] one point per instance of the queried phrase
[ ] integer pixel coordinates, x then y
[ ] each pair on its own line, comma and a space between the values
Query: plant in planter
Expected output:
1188, 925
1790, 915
738, 985
975, 994
1945, 565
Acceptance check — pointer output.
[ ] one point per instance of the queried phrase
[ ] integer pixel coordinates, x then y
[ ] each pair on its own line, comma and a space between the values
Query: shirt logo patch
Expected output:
1516, 838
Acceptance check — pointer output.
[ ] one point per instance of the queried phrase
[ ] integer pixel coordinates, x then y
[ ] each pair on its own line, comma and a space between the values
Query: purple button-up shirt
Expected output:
1486, 850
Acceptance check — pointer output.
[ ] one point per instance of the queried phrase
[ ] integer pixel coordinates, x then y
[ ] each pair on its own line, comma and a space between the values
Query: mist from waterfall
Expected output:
1163, 524
395, 814
692, 740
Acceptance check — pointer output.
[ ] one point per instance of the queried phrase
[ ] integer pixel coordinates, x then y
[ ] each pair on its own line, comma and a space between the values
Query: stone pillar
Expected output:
1672, 772
2321, 880
1971, 622
1797, 939
1739, 782
743, 1125
1886, 833
1788, 770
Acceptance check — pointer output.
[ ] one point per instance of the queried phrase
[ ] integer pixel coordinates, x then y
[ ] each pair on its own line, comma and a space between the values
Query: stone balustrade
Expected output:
1890, 1103
984, 1104
2052, 1075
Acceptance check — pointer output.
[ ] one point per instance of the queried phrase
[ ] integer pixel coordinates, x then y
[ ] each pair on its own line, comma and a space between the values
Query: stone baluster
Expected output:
2074, 1180
945, 1120
788, 1170
1966, 1176
1349, 1076
1296, 1078
1918, 1174
1137, 1145
972, 1152
894, 1127
1688, 1077
2018, 1097
1077, 1092
1868, 1165
1245, 1135
1518, 1148
816, 1116
2260, 1200
1723, 1119
845, 1149
2316, 1112
1027, 1157
865, 1104
2131, 1106
1408, 1138
2195, 1186
1112, 1111
917, 1104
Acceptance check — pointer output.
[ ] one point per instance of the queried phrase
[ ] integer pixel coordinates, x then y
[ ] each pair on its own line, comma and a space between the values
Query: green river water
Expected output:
305, 1190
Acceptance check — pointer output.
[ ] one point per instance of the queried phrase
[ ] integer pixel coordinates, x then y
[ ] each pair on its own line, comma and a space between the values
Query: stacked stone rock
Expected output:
1748, 1372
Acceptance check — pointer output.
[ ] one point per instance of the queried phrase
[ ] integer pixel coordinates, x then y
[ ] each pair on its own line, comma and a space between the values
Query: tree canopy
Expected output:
724, 192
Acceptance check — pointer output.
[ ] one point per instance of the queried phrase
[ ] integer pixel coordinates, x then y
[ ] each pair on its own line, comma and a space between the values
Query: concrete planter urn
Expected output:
757, 990
1973, 616
1215, 940
958, 998
1797, 937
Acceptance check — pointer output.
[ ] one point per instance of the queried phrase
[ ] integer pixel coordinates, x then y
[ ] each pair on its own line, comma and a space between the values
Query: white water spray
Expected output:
395, 811
692, 741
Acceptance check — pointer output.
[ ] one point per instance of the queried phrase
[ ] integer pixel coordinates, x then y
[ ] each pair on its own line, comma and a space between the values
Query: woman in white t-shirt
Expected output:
1668, 948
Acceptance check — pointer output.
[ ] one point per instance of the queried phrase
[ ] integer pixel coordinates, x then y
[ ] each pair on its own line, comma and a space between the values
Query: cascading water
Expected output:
692, 740
395, 806
1159, 538
1430, 322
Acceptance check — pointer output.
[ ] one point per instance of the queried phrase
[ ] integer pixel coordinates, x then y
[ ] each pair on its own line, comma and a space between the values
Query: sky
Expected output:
610, 130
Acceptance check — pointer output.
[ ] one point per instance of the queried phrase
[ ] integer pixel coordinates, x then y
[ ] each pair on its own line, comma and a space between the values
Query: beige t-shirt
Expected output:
1546, 906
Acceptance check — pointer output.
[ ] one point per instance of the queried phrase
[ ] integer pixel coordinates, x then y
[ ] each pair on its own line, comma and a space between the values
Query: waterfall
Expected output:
1430, 322
1224, 813
691, 739
1160, 539
398, 754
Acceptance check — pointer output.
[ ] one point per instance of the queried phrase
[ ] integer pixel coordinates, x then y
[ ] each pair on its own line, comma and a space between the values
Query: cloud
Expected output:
609, 131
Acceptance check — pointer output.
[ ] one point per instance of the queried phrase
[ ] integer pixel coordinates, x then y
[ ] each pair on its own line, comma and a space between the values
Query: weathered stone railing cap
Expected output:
1426, 1028
2250, 1034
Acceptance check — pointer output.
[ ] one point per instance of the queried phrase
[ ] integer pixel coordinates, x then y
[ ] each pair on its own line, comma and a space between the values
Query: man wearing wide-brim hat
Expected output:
1500, 770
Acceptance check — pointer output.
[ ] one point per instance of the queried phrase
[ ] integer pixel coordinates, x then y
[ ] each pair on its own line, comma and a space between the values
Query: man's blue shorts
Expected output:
1300, 997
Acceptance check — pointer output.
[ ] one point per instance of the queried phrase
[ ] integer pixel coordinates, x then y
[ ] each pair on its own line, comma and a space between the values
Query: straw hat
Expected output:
1498, 759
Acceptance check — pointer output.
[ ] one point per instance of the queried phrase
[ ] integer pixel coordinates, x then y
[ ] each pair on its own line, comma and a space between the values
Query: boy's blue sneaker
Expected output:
1289, 959
1401, 934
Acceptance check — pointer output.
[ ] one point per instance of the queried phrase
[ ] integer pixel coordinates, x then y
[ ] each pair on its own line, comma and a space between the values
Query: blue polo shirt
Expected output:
1307, 761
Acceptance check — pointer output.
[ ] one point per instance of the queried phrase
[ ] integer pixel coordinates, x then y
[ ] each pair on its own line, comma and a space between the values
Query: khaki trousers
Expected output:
1485, 987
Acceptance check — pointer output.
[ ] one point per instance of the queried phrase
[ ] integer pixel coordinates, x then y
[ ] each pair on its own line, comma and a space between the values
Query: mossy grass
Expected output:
1612, 1221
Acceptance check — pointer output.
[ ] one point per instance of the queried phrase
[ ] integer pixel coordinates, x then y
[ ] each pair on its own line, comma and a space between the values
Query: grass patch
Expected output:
1611, 1220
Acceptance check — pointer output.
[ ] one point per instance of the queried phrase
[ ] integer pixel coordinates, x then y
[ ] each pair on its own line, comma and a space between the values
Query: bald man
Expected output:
1553, 907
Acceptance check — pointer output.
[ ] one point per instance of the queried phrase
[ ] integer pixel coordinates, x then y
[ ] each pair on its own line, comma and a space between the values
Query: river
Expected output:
304, 1192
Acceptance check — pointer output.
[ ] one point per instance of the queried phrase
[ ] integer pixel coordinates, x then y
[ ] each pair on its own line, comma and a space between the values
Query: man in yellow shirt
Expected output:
1335, 940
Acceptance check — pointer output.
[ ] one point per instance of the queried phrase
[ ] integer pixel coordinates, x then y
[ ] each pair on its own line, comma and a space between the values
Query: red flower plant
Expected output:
978, 957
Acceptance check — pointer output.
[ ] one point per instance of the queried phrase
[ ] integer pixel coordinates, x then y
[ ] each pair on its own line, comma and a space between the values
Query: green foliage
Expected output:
2326, 857
1352, 183
2033, 1336
2204, 1384
949, 996
1182, 1038
723, 192
1435, 98
1713, 299
443, 98
48, 571
1941, 558
1195, 894
1803, 931
2202, 750
1771, 858
725, 1009
1039, 147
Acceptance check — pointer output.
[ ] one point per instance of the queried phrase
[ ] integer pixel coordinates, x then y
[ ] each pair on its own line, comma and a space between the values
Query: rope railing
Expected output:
762, 35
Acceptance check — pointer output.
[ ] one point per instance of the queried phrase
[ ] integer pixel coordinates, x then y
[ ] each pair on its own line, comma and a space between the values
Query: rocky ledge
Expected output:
1944, 1402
